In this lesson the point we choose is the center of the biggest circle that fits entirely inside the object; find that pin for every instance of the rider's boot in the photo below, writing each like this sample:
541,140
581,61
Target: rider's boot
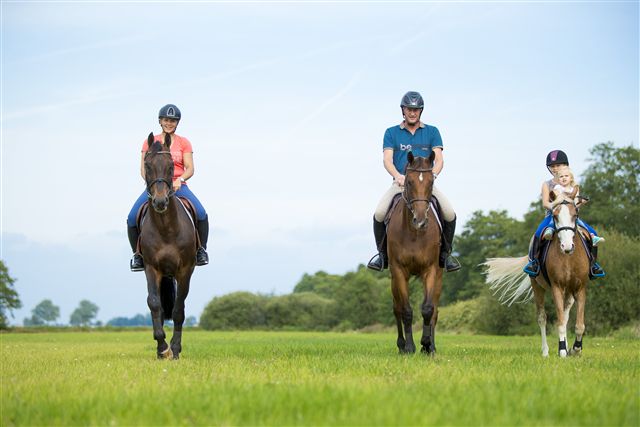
136,263
533,268
202,258
448,261
595,269
379,260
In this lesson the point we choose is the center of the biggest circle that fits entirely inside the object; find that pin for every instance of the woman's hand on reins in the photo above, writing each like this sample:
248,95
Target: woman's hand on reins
177,183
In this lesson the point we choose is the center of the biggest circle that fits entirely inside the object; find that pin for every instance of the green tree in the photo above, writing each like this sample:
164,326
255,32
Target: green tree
45,312
321,283
301,310
238,310
494,234
612,181
9,299
84,314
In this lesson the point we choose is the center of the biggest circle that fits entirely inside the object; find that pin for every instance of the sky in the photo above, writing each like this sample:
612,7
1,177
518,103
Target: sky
286,104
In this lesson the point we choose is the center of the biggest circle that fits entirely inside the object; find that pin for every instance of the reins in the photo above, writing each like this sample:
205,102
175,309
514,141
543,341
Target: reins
162,180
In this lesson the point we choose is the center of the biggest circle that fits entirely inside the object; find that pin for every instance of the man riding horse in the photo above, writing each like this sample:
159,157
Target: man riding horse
412,135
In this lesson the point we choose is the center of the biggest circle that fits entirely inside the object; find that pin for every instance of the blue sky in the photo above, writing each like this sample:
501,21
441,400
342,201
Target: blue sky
286,105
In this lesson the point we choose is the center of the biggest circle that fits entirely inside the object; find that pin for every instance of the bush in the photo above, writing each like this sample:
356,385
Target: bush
302,310
238,310
459,317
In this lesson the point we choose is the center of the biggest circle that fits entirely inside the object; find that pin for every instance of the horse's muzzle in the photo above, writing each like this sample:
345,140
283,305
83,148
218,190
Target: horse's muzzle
568,249
161,204
419,224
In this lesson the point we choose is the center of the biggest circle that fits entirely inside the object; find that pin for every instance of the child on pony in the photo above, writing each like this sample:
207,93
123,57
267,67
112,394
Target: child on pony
561,185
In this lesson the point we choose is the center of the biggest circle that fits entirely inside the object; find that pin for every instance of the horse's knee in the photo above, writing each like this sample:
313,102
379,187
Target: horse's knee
427,311
153,301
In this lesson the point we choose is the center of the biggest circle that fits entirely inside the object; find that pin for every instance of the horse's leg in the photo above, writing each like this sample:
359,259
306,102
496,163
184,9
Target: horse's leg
153,301
581,299
429,312
402,310
178,312
538,294
558,300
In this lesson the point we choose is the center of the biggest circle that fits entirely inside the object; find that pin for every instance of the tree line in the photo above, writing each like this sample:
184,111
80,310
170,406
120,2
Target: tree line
362,298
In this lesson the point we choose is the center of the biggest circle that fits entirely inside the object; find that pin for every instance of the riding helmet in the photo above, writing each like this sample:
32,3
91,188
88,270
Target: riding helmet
170,111
557,157
412,99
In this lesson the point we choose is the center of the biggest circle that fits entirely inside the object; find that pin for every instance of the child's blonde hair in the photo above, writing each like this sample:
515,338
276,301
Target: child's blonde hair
566,169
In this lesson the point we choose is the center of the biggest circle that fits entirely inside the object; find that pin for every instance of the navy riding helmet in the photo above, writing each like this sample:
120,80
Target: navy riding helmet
557,157
412,99
170,111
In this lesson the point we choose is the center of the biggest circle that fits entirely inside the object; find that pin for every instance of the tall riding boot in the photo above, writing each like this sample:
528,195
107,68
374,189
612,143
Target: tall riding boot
595,269
202,258
533,268
448,261
379,260
136,263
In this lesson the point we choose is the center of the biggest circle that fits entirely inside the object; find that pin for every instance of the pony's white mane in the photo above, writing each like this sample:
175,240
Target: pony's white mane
507,279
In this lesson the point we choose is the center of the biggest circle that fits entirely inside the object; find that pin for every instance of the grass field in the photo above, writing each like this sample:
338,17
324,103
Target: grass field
289,378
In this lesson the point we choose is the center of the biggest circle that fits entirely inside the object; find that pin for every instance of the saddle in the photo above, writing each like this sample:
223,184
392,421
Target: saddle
587,245
184,202
435,205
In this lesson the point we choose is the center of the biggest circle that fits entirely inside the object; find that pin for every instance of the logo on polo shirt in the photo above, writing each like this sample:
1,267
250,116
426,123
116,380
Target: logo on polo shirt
405,147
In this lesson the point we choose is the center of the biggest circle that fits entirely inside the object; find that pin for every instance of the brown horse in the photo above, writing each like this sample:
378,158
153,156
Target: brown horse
567,268
168,245
413,245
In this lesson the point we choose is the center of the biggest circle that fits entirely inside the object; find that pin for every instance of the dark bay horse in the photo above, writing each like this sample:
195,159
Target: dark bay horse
413,245
168,246
567,266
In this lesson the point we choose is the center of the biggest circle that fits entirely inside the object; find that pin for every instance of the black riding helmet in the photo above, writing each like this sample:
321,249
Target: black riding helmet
557,157
170,111
412,99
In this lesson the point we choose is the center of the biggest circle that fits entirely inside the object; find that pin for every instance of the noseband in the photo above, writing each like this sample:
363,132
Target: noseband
408,201
157,180
575,223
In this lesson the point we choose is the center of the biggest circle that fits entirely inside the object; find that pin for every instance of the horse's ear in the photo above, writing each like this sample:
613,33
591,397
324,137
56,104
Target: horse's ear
432,158
167,140
552,195
149,140
575,192
410,157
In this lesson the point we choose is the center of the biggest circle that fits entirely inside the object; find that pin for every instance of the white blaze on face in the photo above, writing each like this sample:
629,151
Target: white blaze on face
421,178
565,236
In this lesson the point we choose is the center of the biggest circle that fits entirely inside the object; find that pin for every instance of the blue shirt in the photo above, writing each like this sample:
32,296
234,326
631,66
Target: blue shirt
401,141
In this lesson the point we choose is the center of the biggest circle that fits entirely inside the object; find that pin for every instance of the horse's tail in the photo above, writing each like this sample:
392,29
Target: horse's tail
167,295
507,279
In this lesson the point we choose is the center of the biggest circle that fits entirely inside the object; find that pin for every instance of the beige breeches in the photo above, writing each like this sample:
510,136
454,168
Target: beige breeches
447,210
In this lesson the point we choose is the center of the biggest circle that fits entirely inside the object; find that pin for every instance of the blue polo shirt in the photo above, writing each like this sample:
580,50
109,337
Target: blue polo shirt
401,141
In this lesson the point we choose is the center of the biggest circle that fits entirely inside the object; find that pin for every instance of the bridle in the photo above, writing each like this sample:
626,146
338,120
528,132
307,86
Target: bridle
408,201
575,223
157,180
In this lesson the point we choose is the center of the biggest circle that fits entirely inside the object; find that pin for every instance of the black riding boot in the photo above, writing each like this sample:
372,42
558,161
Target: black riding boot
448,261
202,258
136,263
596,270
533,268
379,261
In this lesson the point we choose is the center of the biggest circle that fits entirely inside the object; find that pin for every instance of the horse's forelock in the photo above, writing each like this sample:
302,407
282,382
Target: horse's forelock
155,147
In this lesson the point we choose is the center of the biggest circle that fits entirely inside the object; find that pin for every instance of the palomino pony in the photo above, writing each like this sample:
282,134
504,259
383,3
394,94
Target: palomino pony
567,268
168,246
413,245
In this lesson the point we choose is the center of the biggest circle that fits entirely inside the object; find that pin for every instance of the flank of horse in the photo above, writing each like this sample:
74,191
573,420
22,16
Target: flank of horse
168,246
567,266
413,245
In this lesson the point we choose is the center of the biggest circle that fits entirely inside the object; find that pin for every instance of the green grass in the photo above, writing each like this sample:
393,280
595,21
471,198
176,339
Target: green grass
289,378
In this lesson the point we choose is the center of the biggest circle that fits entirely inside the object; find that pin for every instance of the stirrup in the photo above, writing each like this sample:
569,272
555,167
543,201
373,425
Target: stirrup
596,271
532,269
376,262
202,258
452,264
136,263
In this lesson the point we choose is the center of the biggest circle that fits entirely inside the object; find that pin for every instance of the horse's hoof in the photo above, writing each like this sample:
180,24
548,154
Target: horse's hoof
167,354
575,352
427,352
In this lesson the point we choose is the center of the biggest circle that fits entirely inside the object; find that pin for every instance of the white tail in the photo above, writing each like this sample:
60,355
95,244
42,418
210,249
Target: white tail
507,279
